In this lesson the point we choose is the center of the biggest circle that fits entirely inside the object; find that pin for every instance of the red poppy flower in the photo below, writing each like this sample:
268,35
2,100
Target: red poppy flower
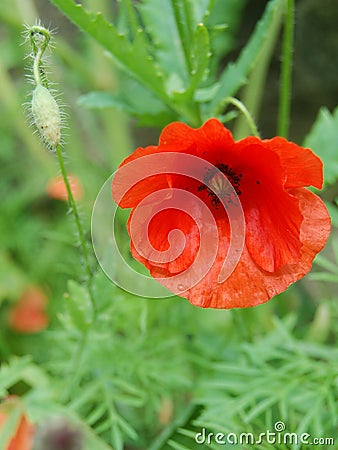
22,438
284,224
29,315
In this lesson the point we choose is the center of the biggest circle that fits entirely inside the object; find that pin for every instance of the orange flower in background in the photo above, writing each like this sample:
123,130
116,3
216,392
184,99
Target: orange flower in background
22,438
29,315
56,188
286,225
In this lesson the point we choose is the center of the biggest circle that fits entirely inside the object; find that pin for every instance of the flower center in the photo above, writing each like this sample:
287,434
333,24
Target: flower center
220,187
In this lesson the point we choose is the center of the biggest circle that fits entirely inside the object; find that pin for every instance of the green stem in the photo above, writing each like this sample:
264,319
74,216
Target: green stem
239,105
286,72
252,93
36,67
73,206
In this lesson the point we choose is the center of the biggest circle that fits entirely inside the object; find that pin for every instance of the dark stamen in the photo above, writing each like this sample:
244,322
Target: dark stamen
220,189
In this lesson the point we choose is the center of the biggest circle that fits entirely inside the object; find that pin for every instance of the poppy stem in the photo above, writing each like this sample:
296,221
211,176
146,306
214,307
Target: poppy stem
81,234
242,108
286,72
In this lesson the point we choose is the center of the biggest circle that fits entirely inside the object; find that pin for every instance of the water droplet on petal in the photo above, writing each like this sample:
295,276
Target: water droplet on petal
271,291
180,287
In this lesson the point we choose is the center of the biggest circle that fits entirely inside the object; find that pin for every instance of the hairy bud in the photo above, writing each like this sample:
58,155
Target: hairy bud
46,116
44,110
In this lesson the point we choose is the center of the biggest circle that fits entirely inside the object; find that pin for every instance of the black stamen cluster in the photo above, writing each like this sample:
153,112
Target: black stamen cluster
230,173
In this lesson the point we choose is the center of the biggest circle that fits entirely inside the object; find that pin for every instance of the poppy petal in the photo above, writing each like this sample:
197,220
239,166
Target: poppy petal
163,251
127,192
272,215
301,165
167,238
237,292
210,137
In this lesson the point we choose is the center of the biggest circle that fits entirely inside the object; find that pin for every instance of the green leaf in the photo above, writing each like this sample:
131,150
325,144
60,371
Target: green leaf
234,76
11,373
103,100
160,23
200,9
323,139
200,56
145,107
133,56
78,306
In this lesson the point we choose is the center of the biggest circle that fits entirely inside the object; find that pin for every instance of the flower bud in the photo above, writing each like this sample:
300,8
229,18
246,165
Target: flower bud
46,116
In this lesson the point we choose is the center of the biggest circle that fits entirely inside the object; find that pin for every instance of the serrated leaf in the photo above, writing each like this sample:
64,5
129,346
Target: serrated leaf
78,306
10,373
160,22
133,57
200,56
200,9
323,140
234,76
147,112
222,20
103,100
206,94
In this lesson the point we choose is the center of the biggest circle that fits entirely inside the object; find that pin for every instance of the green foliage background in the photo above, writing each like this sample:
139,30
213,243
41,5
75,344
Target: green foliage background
149,374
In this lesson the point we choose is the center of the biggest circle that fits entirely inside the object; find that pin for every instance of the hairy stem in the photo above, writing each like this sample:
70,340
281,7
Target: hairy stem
36,68
81,234
239,105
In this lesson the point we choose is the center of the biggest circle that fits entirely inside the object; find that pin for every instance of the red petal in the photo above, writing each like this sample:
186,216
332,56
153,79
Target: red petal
127,191
210,141
173,236
159,228
23,438
212,137
272,215
302,167
248,285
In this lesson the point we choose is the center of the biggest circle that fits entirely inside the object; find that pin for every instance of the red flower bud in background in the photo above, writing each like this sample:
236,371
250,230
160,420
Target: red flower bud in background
56,188
22,438
29,314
